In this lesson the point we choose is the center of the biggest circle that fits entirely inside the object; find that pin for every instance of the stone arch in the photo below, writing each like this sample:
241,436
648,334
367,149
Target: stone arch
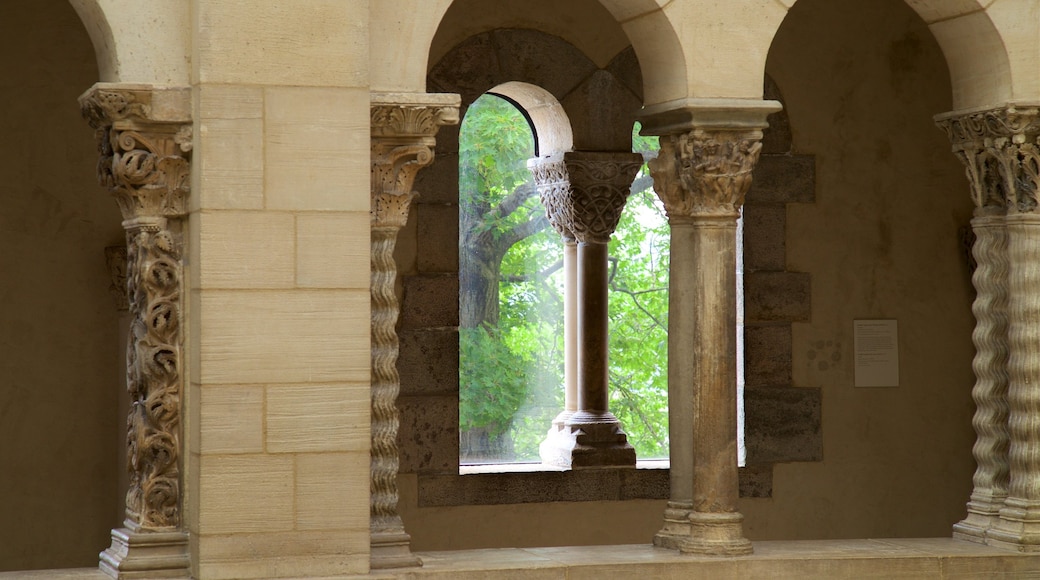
548,120
981,71
132,46
600,28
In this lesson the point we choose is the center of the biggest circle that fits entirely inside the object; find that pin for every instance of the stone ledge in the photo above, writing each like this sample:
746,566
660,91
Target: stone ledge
917,558
554,486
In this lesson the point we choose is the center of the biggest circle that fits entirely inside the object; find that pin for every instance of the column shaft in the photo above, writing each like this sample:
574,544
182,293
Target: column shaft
403,128
593,334
145,164
1019,525
991,384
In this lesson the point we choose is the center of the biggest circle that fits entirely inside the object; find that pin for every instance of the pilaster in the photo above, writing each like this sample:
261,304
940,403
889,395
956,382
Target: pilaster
702,173
584,194
403,131
144,141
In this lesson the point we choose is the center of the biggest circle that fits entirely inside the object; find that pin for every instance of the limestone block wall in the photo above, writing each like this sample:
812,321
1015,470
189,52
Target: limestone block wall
61,368
278,404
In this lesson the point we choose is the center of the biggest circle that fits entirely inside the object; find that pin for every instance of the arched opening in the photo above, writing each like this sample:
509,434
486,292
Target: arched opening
59,326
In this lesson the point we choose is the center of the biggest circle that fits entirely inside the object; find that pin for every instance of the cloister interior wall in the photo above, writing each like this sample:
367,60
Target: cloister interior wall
60,362
861,81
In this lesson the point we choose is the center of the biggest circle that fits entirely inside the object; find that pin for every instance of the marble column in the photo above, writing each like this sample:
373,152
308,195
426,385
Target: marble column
584,194
403,129
144,139
973,140
703,171
1015,147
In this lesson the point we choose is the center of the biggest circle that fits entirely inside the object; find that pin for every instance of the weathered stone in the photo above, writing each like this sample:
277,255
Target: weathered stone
767,355
430,301
602,91
782,424
428,436
756,480
777,296
429,362
625,66
784,179
438,234
546,60
765,237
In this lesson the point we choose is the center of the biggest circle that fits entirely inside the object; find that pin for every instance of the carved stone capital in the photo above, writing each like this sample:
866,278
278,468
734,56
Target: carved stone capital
705,172
1000,150
584,192
144,142
403,136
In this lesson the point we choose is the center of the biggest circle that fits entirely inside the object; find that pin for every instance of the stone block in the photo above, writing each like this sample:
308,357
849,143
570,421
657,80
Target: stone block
429,362
470,69
315,418
782,424
625,66
245,493
765,237
333,250
282,43
554,64
430,301
245,249
777,296
287,336
327,491
406,251
611,128
428,438
231,419
756,480
438,238
317,149
311,554
783,179
644,484
231,172
230,102
767,355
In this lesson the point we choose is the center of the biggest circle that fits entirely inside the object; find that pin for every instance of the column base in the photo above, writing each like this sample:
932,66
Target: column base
716,534
580,445
677,526
143,554
392,550
983,515
1018,528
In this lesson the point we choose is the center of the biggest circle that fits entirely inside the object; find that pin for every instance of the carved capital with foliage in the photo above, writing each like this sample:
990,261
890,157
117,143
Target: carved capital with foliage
1000,150
403,137
705,172
584,192
144,142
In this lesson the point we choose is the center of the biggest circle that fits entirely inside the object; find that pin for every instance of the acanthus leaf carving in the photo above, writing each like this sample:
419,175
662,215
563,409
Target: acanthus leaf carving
999,149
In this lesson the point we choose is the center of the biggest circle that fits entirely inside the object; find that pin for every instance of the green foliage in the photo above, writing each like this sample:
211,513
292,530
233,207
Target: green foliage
511,372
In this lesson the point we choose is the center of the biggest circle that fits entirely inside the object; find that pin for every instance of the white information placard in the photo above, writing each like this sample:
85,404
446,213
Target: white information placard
877,353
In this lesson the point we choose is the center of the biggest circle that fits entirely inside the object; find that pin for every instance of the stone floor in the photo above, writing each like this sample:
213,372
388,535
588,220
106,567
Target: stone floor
804,560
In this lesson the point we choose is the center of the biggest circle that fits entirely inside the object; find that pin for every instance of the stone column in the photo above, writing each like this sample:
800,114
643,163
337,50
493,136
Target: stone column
708,149
1015,149
550,177
973,143
584,193
403,130
144,139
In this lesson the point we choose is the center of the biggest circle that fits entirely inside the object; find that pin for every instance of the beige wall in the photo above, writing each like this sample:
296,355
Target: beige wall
862,81
60,364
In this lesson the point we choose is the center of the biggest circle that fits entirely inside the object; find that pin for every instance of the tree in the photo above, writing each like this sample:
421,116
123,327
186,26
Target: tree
510,324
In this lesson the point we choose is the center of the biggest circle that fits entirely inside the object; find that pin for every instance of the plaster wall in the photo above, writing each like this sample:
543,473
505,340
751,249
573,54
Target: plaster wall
861,81
61,367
